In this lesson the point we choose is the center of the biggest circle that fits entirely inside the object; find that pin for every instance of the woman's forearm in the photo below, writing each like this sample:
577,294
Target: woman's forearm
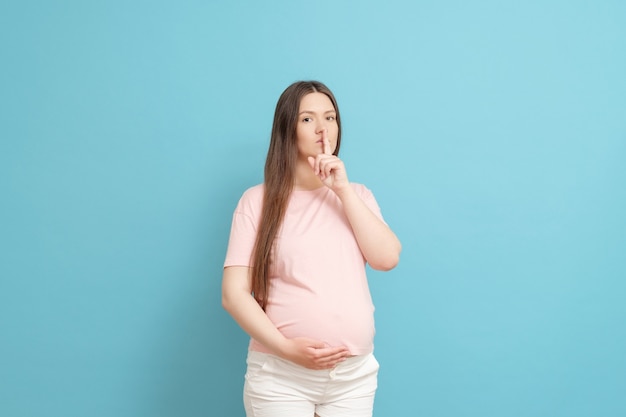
241,305
379,244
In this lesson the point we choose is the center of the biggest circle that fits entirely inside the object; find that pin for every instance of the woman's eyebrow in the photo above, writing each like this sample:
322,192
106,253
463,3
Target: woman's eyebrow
312,112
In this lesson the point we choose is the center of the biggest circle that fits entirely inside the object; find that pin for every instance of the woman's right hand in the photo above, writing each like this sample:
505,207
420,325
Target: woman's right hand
313,354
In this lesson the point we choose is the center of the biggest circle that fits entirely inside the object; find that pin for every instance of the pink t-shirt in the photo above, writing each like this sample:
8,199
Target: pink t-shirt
318,286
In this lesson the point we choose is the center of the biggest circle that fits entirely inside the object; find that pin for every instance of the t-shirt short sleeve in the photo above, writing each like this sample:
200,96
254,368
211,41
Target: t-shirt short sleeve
243,230
368,198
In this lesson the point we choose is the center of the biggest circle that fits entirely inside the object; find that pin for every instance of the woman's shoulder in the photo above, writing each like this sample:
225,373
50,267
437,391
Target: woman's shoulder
251,200
254,192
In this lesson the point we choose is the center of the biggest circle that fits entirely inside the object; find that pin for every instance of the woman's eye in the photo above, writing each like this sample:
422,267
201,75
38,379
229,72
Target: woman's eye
306,119
330,118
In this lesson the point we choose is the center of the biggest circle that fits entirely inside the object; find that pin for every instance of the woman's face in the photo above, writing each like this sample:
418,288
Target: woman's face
316,115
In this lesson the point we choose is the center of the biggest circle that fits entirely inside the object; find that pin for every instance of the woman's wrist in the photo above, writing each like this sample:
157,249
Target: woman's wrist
282,348
344,192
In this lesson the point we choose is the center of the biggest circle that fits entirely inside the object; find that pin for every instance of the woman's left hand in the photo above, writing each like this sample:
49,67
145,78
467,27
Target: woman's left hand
329,168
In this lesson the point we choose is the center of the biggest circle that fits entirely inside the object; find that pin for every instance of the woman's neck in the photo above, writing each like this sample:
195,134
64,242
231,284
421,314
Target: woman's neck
306,178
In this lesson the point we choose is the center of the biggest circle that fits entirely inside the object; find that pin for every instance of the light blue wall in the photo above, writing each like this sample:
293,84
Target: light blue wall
493,134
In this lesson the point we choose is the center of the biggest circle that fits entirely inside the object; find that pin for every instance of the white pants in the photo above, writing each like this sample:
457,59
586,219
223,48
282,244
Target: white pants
275,387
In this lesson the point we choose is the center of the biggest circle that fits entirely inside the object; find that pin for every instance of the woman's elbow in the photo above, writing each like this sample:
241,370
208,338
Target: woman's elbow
234,287
386,263
227,299
225,302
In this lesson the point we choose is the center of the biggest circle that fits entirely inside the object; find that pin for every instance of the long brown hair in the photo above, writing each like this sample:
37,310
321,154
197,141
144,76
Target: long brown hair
280,168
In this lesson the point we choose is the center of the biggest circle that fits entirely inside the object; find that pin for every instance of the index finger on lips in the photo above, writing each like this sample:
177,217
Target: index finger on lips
326,142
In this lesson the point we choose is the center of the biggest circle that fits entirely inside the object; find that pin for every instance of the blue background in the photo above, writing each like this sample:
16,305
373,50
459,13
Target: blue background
493,134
